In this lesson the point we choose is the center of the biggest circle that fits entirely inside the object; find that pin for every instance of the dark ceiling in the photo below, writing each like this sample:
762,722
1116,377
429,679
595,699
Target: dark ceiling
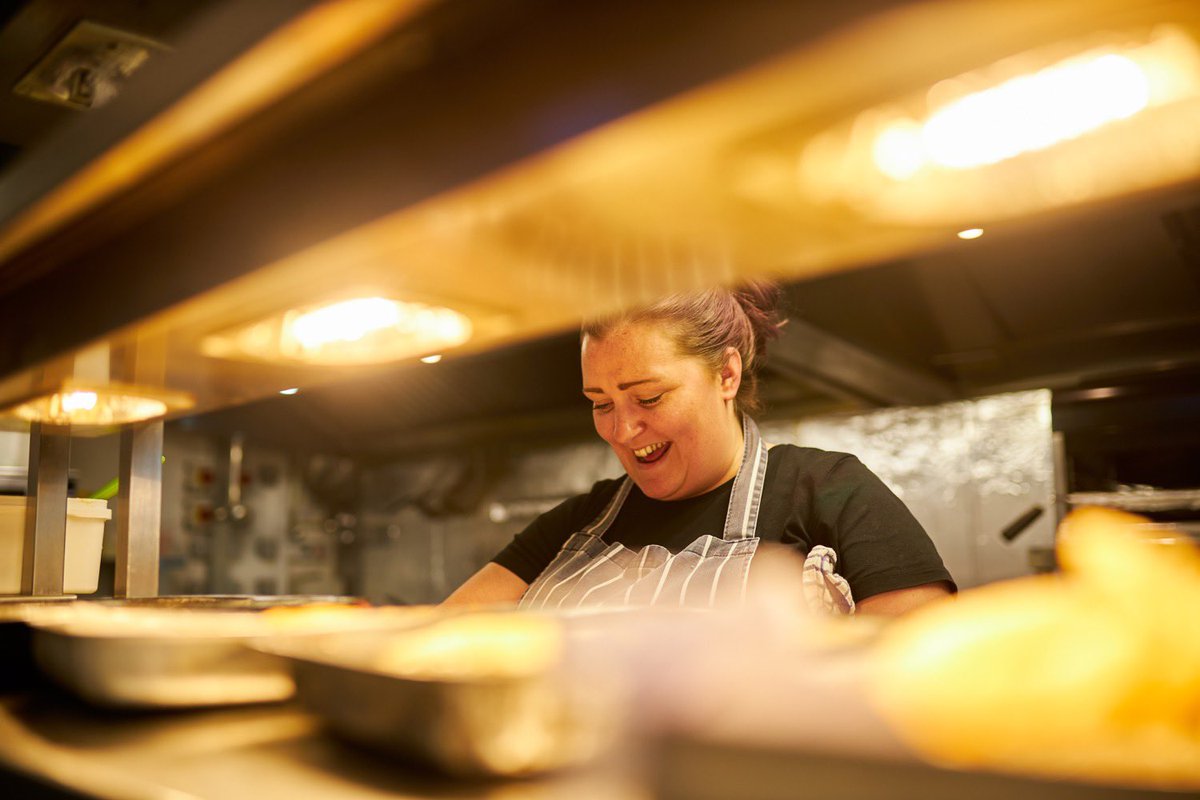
29,29
1107,295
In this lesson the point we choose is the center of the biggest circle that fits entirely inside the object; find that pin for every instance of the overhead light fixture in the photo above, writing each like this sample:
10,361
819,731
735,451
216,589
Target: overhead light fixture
433,359
340,323
290,391
1060,125
106,405
359,330
970,233
1024,114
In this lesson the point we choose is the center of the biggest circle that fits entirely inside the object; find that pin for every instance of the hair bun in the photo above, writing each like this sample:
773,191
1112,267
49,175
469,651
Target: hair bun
760,301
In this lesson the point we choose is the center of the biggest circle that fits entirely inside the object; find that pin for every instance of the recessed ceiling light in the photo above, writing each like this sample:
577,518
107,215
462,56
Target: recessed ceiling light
290,391
433,359
360,330
99,405
970,233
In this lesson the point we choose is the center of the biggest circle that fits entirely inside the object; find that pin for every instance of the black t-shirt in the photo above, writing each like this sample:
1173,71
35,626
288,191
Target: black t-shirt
810,497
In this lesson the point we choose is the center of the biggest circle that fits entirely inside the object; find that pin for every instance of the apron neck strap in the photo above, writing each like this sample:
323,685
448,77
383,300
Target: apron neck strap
600,524
741,520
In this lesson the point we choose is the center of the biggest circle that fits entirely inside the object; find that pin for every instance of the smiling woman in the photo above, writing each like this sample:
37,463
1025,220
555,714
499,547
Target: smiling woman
668,419
672,387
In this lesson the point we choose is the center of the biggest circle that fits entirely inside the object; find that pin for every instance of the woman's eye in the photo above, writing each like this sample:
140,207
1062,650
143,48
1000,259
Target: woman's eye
649,401
601,407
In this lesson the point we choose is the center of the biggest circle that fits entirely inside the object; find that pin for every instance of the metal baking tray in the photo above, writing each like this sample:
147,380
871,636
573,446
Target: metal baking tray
229,602
119,666
499,726
177,656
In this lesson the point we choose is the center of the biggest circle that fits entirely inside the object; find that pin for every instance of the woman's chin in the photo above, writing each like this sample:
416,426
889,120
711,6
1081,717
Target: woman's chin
657,489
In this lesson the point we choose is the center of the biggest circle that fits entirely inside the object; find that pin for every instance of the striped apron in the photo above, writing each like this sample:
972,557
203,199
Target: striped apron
711,571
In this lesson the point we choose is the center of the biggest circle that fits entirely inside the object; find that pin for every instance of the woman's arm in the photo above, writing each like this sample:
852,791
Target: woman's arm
900,601
492,584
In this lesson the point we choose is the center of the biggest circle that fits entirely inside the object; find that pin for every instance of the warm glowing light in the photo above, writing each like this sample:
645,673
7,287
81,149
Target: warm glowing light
970,233
1060,125
90,408
1035,111
290,391
371,329
364,330
898,151
433,359
1021,115
348,321
78,401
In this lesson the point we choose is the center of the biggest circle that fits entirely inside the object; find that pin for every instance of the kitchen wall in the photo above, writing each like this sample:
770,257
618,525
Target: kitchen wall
279,537
288,536
967,470
429,523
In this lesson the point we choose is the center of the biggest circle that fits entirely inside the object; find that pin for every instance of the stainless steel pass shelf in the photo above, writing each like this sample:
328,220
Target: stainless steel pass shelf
1140,499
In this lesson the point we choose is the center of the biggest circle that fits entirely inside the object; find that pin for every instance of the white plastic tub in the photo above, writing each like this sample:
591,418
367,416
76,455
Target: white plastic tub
85,536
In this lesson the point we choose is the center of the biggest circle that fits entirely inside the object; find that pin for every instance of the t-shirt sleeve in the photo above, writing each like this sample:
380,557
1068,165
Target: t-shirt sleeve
532,550
879,543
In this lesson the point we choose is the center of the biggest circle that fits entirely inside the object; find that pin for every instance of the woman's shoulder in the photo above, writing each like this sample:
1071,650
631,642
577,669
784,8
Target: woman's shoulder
794,459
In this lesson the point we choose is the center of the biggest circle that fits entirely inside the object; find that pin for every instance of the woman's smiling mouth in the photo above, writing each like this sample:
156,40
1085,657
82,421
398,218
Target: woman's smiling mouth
651,452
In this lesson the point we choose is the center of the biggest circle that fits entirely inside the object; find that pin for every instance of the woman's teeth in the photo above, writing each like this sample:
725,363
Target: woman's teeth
644,453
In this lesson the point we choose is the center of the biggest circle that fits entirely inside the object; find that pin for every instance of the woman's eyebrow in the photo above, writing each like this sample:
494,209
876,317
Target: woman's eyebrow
621,386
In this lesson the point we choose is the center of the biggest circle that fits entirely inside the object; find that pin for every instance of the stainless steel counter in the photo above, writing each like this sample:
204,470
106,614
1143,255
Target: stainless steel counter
54,747
266,752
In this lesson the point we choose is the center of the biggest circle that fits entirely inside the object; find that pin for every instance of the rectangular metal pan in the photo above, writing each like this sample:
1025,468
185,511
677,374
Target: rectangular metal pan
467,726
178,657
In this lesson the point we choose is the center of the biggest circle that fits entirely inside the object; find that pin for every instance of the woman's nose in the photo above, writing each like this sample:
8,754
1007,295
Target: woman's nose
626,426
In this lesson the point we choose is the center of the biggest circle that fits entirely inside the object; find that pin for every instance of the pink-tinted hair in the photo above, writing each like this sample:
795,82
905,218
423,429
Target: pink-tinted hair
704,323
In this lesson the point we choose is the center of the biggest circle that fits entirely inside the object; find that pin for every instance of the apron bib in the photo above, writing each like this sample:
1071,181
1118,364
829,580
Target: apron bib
710,571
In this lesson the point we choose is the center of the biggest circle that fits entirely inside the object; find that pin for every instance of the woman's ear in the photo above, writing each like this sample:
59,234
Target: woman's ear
731,373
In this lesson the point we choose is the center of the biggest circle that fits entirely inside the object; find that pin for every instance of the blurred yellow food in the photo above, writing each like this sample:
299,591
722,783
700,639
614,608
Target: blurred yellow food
326,617
475,647
1092,674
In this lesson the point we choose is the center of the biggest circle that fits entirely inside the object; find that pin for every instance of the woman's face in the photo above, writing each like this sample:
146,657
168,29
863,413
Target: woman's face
669,418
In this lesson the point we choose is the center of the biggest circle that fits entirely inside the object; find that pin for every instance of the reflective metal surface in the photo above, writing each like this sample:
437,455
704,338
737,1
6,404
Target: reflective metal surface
187,651
265,752
46,511
516,725
154,671
229,602
139,510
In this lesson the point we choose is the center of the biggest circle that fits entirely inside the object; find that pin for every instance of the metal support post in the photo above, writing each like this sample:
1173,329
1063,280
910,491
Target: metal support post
139,510
46,511
1062,478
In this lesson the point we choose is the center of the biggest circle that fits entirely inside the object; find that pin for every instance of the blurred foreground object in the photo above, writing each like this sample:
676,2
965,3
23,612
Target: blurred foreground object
1093,674
481,694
